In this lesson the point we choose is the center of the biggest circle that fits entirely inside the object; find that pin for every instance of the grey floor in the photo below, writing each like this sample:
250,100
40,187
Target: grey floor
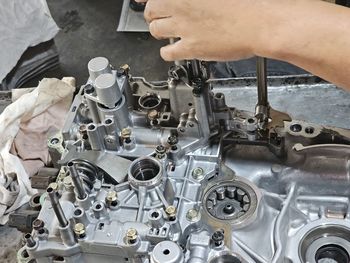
89,30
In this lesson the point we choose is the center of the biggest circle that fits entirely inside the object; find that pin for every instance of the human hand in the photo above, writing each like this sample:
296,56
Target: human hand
208,30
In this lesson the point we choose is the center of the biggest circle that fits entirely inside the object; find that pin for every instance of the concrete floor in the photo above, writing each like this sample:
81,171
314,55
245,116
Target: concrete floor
89,30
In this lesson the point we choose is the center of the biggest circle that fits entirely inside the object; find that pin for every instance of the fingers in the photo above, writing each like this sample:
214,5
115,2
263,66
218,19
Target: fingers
177,51
163,28
156,9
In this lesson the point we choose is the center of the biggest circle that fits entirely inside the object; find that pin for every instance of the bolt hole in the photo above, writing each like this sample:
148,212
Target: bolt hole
296,128
190,104
36,199
101,226
89,89
251,121
91,127
25,254
78,212
166,252
219,95
54,141
58,258
154,122
310,130
155,215
41,231
108,121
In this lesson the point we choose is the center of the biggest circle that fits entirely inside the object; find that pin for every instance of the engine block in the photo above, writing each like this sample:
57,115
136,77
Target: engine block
167,172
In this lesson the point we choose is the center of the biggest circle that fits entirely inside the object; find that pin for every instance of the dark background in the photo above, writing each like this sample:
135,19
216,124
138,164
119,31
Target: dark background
88,30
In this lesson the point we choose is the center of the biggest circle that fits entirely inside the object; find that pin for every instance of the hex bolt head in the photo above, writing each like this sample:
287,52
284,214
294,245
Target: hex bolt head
54,186
126,132
38,224
153,114
131,235
79,230
193,215
160,151
173,140
112,198
123,70
218,237
68,183
171,212
198,173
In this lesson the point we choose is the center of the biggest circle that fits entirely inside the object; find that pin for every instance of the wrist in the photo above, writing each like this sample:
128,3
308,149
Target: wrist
274,28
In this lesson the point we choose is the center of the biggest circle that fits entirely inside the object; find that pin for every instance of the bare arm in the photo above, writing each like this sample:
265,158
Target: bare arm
311,34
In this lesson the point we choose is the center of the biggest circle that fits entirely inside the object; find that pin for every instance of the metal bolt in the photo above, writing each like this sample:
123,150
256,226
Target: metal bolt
29,240
131,235
173,140
54,186
160,151
38,224
192,215
79,230
153,114
198,173
126,132
171,212
68,183
83,129
218,237
112,198
276,169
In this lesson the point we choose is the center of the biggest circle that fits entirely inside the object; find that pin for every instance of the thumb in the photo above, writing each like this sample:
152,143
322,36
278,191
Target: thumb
177,51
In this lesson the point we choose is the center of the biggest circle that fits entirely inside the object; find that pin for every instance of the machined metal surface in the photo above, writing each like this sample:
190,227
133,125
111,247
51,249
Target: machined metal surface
182,174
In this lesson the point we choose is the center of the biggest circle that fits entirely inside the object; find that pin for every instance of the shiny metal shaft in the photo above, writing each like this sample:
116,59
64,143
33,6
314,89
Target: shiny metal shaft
57,208
76,181
262,82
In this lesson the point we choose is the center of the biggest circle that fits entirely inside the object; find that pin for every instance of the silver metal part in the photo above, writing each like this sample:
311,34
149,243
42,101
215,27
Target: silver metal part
98,66
181,174
107,90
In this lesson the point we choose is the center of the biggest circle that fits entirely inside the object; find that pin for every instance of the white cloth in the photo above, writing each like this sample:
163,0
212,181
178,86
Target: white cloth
23,24
15,188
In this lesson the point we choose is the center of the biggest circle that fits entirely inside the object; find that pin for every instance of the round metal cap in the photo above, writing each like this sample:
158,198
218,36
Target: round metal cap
98,66
107,90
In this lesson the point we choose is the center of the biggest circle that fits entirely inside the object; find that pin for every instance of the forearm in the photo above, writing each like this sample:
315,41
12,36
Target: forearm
310,34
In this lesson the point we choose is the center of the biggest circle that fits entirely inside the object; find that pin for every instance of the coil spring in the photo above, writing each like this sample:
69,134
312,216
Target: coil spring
88,173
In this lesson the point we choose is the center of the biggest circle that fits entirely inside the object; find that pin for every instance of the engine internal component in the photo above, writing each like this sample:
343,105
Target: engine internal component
170,171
